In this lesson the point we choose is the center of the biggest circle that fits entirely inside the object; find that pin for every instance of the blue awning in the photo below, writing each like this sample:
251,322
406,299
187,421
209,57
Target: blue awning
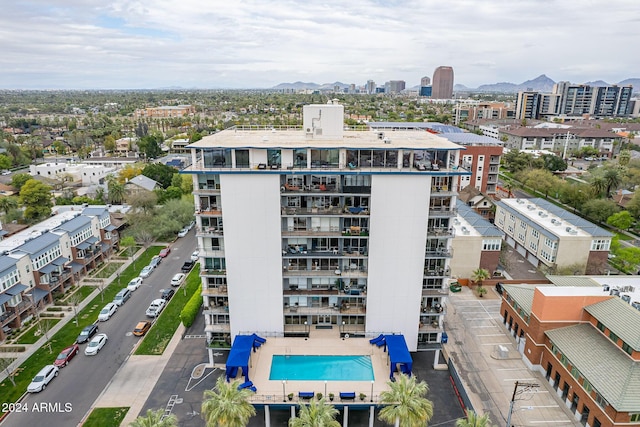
83,245
91,240
16,289
76,267
240,353
48,268
110,227
38,294
398,354
4,298
60,261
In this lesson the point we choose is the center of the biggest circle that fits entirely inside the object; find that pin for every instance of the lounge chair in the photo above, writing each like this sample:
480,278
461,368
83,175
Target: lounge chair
306,394
247,384
376,339
381,342
351,395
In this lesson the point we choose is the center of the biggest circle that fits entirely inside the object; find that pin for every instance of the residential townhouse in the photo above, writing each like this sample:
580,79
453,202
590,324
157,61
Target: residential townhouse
547,235
47,259
563,141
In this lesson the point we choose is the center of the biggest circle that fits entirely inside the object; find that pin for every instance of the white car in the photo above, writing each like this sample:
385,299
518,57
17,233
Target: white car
107,312
195,256
191,225
156,307
183,232
134,284
44,377
178,279
96,344
146,271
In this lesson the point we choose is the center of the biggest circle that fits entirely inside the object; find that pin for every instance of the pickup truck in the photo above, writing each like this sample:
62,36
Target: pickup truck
187,266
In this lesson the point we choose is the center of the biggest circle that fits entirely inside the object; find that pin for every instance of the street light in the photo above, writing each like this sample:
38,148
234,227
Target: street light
325,388
372,383
284,391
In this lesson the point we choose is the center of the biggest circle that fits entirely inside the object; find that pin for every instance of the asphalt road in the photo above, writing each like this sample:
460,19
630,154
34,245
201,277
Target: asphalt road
69,396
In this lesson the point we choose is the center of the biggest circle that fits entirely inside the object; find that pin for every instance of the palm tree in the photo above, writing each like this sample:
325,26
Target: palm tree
226,406
155,419
598,185
612,178
115,190
405,403
8,203
473,420
316,414
479,275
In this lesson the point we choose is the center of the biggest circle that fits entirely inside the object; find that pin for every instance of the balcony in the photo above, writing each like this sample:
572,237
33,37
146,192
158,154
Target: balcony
437,273
312,231
217,327
213,272
439,253
301,189
7,317
324,272
209,232
341,308
207,190
212,253
438,291
441,232
215,291
443,212
20,308
209,211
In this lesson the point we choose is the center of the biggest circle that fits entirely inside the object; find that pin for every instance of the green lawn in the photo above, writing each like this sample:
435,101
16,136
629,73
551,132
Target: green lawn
105,417
108,270
67,335
160,334
29,337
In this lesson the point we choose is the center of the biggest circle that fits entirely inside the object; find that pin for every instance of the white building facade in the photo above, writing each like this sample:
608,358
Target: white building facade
324,228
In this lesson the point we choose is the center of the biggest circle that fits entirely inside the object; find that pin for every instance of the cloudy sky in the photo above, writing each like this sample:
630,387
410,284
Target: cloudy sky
134,44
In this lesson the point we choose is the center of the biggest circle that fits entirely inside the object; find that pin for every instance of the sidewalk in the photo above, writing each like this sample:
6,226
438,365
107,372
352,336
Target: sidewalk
134,381
32,348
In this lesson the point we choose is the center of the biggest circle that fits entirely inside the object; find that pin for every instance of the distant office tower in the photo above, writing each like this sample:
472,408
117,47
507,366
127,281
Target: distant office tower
425,90
425,81
396,86
371,87
442,83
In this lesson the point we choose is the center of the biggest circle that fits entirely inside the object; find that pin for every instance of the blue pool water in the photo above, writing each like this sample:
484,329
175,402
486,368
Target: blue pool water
321,368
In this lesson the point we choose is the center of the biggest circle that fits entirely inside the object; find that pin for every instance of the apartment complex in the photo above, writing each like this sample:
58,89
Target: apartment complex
575,100
564,140
585,340
472,109
47,259
165,112
325,228
547,235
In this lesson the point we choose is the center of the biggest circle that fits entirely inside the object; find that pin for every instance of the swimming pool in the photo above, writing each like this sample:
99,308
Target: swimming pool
321,368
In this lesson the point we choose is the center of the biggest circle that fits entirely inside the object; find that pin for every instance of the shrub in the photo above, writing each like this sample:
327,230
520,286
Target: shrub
14,348
190,310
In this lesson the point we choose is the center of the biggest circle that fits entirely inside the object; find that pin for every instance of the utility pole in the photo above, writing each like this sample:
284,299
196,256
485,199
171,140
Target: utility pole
517,392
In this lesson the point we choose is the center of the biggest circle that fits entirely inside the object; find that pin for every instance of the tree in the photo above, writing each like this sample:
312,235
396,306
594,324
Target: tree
554,163
115,190
8,203
599,209
129,172
10,354
144,200
36,197
19,179
624,157
405,403
634,205
316,414
150,145
163,174
612,179
5,162
479,275
473,420
622,220
226,406
155,419
598,185
540,180
74,300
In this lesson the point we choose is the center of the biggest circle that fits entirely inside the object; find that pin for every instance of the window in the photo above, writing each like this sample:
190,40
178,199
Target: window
535,234
491,244
600,244
242,158
601,401
634,417
627,348
274,157
600,326
586,385
613,337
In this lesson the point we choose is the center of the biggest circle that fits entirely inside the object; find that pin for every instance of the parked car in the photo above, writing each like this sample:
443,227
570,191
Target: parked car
141,328
164,252
108,311
155,261
187,266
191,225
177,279
499,288
195,256
155,308
87,333
183,232
122,296
66,355
167,294
44,377
96,344
146,272
134,284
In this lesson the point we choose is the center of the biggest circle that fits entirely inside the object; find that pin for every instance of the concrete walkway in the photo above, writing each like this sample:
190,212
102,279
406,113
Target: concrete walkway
135,379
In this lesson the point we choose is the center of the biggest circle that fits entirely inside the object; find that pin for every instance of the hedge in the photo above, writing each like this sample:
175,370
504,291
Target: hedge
190,310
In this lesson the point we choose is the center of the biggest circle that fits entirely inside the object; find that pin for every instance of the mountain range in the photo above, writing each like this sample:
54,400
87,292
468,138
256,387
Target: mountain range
541,83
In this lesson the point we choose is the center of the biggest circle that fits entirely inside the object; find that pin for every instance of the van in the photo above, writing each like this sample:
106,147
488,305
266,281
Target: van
122,297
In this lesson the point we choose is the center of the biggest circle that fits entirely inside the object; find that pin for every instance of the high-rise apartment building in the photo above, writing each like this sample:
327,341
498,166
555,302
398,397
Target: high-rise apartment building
395,86
371,87
325,227
442,83
425,81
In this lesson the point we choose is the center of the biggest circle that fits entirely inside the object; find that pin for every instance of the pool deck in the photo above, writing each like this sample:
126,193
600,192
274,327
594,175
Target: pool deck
320,342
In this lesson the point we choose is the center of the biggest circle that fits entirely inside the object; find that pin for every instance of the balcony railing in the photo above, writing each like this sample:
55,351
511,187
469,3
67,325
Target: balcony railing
346,308
7,317
443,212
442,232
209,210
215,291
439,253
212,272
312,231
217,327
437,273
209,231
440,291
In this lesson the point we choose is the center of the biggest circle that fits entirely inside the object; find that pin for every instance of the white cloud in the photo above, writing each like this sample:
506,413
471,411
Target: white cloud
257,43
